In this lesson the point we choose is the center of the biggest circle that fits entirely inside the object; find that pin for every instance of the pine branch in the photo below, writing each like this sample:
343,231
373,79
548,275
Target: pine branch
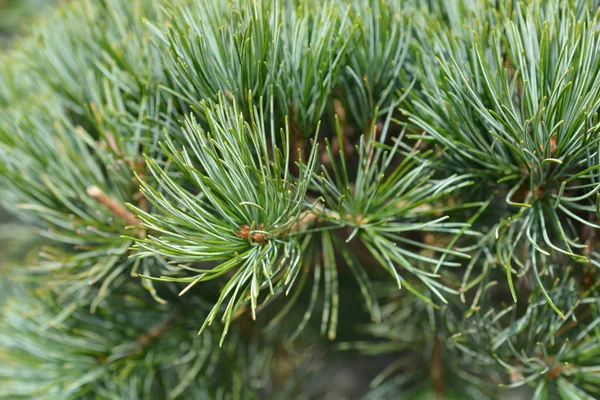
508,116
119,210
174,141
99,356
242,221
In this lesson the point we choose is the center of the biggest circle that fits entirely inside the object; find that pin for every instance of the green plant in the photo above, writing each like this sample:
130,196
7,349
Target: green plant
231,195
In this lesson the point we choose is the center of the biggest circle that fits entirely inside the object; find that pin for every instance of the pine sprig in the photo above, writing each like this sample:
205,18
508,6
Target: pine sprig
555,356
72,158
518,105
225,48
314,38
143,350
392,198
74,199
444,371
239,207
375,71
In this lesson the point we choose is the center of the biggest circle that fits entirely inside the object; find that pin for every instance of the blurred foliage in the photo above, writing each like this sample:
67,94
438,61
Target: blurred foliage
16,14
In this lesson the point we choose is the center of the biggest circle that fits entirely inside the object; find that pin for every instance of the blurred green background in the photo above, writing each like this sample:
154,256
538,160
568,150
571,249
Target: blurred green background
17,16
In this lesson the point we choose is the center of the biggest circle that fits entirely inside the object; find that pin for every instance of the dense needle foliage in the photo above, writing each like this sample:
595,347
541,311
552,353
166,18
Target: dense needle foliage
247,198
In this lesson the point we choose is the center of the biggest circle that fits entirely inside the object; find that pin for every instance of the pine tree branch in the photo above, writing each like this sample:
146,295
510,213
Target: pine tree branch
115,207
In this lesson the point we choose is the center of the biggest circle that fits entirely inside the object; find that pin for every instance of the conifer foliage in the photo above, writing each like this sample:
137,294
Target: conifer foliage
240,199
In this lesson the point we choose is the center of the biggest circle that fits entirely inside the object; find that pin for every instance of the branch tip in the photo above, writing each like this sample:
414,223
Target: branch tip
115,207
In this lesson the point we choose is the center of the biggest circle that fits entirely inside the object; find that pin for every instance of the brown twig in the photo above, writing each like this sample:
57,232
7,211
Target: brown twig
296,142
115,207
153,333
306,219
313,215
437,368
419,142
